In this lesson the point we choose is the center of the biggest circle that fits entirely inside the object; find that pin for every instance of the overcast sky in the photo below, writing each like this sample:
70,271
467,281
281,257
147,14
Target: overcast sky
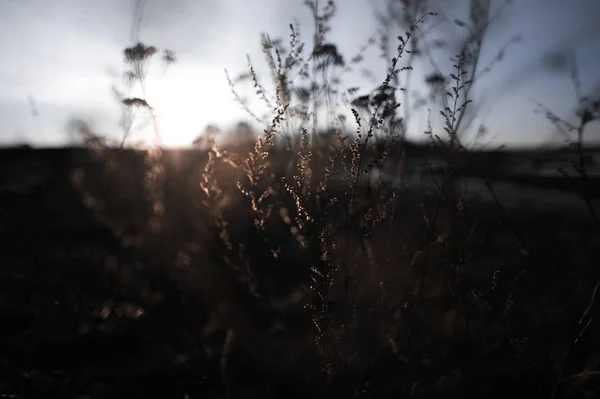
61,58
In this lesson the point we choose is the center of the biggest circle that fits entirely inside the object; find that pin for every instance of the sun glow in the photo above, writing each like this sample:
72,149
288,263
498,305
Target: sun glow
187,99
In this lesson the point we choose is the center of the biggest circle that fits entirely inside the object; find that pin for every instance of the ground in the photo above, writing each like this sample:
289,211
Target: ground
97,302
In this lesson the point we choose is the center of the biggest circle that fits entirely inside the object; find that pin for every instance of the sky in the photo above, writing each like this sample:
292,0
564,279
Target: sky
61,58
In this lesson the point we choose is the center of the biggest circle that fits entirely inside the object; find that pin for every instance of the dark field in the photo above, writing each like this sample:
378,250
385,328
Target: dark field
104,295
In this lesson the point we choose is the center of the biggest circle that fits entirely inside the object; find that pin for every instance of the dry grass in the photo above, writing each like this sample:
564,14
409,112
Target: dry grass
279,267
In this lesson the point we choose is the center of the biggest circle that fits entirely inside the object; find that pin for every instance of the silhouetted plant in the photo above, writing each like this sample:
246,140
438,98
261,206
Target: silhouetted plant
392,276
